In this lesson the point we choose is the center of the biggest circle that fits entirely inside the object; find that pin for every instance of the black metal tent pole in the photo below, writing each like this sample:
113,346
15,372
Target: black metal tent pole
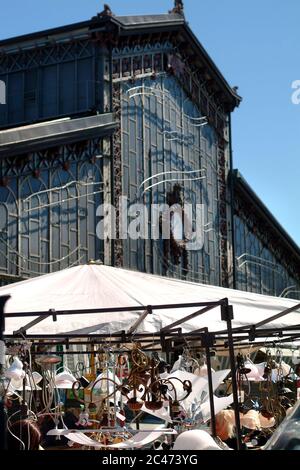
208,342
227,315
3,301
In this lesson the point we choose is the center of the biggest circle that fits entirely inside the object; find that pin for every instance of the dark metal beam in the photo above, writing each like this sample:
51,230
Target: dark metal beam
193,315
279,315
136,324
29,325
116,309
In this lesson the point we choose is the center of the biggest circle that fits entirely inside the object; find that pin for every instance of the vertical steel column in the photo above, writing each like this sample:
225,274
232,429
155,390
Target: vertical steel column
227,315
208,341
3,301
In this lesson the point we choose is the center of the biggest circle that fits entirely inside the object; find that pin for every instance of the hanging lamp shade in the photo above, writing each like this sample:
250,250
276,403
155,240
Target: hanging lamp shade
15,371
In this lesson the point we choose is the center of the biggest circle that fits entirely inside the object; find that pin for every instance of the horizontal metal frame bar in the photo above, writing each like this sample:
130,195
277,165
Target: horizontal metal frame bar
121,336
116,309
90,353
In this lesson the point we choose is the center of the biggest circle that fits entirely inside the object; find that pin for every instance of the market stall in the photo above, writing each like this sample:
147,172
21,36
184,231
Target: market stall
144,354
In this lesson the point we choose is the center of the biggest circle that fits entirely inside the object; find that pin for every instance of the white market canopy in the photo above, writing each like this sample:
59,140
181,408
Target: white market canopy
99,287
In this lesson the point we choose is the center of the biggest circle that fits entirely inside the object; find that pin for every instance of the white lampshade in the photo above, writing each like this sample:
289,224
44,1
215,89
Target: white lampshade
64,380
254,374
30,383
15,371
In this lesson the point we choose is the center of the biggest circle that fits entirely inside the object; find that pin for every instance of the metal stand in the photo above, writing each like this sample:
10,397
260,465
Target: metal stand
208,342
227,315
3,301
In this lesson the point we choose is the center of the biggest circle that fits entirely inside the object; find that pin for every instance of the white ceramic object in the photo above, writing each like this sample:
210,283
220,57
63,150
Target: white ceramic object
195,440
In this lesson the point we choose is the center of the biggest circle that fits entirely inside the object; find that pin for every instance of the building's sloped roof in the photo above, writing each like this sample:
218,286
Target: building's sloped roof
85,26
128,25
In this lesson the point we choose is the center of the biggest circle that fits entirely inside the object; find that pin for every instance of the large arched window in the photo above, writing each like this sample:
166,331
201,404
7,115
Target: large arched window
8,231
91,196
63,218
33,251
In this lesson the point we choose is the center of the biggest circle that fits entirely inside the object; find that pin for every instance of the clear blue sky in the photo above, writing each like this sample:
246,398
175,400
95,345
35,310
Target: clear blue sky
256,45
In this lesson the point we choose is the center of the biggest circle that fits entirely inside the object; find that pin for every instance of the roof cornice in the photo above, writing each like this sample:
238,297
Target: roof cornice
122,26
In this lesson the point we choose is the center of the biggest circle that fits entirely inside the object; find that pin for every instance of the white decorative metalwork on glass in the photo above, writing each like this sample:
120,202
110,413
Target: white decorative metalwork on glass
172,179
198,121
77,184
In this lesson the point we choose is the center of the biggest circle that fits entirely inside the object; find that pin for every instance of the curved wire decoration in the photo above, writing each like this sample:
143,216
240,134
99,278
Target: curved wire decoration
258,261
60,188
266,264
172,180
289,290
156,92
26,259
14,263
207,229
173,172
175,136
170,173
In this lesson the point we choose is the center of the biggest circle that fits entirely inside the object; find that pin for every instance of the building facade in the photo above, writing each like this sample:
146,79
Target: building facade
123,107
267,260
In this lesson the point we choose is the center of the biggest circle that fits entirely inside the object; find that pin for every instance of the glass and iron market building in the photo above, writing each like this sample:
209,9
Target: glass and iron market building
128,106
